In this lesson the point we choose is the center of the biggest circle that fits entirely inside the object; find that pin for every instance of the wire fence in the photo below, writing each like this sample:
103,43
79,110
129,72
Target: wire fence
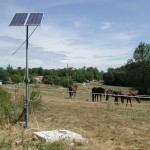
88,93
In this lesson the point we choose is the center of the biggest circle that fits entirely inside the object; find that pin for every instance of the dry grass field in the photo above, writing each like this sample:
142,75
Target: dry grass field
105,125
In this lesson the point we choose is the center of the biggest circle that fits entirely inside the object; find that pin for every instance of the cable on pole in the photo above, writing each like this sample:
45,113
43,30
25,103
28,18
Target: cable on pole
23,42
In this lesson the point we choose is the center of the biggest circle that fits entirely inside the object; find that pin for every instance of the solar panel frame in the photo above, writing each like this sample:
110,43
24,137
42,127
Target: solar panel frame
34,19
19,19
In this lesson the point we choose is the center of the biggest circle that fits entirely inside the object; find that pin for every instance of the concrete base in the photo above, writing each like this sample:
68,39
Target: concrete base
58,135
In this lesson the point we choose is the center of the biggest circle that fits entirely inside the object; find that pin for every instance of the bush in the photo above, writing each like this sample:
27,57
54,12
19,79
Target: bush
12,110
6,105
35,99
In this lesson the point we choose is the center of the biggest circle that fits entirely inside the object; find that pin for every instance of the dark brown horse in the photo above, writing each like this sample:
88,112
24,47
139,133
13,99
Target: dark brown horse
96,92
128,95
115,94
72,91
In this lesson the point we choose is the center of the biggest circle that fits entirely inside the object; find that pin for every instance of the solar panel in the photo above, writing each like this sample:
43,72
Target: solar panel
19,19
34,19
22,19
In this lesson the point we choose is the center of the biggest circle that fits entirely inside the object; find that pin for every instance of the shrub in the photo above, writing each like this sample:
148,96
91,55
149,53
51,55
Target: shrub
6,105
35,99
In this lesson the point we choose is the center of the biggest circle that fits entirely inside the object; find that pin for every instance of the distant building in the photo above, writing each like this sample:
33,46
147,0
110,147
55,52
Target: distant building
39,78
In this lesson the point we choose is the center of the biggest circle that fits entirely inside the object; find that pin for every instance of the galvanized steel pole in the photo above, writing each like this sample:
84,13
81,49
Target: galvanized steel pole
27,82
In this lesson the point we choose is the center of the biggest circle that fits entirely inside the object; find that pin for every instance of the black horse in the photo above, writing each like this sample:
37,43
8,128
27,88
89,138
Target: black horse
72,91
96,92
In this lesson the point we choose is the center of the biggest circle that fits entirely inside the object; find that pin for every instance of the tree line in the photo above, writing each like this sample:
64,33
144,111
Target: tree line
64,77
135,73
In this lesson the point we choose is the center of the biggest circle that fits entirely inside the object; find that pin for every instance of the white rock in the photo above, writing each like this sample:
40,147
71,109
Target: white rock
58,135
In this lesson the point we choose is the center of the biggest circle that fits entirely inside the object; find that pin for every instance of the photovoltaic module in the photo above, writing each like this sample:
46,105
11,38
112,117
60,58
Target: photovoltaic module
26,19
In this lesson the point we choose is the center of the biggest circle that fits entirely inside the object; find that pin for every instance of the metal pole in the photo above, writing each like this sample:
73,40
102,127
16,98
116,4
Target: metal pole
27,82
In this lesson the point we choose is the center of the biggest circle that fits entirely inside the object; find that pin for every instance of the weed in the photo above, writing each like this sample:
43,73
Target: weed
35,99
6,105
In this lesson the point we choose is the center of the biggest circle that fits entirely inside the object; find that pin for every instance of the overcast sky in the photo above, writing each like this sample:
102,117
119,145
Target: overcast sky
90,33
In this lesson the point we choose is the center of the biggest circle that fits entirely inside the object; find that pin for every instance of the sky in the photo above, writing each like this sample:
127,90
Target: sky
74,33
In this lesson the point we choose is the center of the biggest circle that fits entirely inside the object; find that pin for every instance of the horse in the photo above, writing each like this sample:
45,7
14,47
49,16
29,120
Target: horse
128,96
72,91
115,94
97,91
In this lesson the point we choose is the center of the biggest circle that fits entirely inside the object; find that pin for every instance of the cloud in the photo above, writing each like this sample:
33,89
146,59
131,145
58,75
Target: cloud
48,4
82,23
8,45
105,25
54,47
124,36
37,54
76,42
79,24
98,56
72,32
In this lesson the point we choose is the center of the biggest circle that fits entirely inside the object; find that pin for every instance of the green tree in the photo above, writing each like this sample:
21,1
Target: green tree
116,76
40,71
17,78
109,76
48,79
141,66
4,75
10,69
